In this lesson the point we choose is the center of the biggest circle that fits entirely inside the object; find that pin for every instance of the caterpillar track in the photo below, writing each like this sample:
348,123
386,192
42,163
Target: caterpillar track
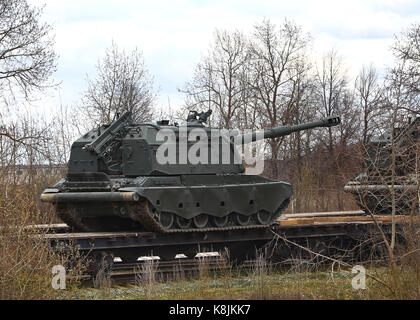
148,220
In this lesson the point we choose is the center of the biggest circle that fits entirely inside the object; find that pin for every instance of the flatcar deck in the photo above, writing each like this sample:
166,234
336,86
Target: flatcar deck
327,226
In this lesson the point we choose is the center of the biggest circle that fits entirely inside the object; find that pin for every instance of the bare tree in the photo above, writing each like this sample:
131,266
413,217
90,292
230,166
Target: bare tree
332,84
391,182
406,49
402,102
275,55
27,60
219,79
335,97
299,144
122,84
27,57
369,97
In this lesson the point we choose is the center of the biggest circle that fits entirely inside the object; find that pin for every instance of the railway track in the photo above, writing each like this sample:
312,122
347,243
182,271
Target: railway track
330,233
140,272
162,271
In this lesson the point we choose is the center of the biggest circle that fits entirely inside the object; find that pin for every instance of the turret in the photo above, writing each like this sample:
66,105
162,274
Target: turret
124,148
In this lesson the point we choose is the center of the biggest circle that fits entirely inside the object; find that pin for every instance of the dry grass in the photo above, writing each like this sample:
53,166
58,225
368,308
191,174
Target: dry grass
147,277
26,263
25,260
251,285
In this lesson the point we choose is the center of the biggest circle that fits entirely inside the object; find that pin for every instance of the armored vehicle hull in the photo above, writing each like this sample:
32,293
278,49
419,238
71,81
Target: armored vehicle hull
375,197
167,204
386,187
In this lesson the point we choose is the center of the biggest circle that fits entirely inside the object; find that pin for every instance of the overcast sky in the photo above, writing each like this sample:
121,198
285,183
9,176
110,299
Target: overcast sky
174,34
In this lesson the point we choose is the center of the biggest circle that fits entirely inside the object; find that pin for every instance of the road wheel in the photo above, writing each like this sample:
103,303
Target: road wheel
220,222
263,217
201,221
166,219
242,220
183,223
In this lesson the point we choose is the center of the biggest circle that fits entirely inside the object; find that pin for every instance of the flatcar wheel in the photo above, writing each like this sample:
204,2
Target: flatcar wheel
166,219
263,217
201,221
220,222
183,223
242,220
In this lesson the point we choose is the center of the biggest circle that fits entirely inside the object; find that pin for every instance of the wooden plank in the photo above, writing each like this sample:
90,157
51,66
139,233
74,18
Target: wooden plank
92,235
322,214
342,219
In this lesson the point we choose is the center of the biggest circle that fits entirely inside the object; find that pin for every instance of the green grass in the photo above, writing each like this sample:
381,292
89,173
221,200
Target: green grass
263,285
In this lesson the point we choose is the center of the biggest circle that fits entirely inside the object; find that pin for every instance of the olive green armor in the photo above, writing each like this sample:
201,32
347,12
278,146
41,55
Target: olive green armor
116,180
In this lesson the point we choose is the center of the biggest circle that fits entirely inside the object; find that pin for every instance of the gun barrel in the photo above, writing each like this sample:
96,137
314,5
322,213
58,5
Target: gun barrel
286,130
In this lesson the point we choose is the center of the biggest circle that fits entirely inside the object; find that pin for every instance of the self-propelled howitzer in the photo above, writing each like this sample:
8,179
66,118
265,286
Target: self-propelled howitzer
390,185
167,178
